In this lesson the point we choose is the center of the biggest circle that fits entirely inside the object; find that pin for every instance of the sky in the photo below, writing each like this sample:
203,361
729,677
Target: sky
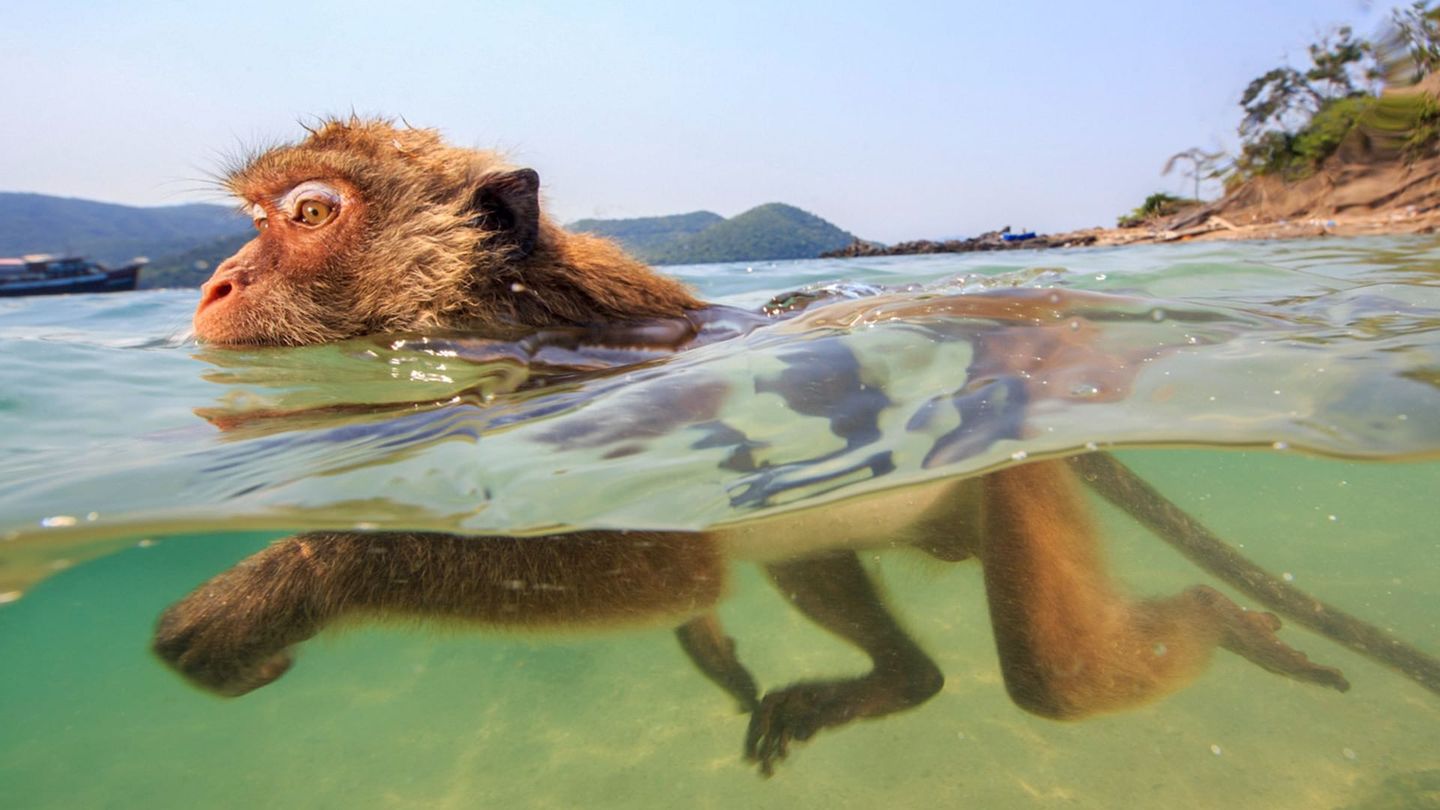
894,121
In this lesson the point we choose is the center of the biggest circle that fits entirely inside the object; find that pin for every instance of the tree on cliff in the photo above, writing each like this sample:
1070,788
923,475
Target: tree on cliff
1203,165
1412,51
1295,118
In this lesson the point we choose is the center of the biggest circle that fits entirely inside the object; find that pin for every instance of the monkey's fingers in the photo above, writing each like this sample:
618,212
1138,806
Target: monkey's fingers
1251,635
796,713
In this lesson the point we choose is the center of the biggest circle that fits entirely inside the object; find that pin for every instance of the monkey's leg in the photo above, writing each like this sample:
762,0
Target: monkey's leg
1070,644
1122,487
713,652
233,633
834,591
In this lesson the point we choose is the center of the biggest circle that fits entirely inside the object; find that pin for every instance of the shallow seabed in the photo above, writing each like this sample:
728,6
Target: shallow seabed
104,465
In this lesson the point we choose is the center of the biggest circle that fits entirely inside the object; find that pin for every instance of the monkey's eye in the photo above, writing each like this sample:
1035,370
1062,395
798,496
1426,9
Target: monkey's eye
314,212
311,203
261,223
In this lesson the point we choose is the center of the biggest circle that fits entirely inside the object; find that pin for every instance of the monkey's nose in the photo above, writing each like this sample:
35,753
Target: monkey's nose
213,291
225,281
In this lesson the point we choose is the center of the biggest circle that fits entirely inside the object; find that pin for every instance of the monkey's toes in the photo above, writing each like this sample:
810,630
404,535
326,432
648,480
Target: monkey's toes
1251,635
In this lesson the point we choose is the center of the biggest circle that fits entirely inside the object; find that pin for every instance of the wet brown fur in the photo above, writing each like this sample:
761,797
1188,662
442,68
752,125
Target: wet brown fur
233,634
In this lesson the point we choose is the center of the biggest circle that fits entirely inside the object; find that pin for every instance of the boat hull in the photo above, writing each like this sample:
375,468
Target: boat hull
119,280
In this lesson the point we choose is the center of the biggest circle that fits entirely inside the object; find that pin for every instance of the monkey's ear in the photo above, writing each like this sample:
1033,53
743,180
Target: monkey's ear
509,204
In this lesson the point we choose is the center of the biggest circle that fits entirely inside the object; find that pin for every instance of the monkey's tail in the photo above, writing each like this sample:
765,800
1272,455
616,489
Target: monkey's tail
1116,483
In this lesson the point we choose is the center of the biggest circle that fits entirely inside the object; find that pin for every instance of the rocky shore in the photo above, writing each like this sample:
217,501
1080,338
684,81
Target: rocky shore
1354,194
1002,239
1209,227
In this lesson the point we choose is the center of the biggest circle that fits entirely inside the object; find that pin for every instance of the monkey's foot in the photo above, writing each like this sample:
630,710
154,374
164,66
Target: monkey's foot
1251,635
209,657
798,711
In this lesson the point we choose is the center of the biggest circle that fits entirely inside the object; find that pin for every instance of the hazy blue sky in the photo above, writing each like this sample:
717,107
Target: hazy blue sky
894,121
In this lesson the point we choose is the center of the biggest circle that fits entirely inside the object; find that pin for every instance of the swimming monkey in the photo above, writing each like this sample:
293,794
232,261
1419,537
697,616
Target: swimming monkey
365,227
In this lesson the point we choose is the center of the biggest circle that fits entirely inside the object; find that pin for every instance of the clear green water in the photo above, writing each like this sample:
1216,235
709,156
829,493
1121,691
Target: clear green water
116,499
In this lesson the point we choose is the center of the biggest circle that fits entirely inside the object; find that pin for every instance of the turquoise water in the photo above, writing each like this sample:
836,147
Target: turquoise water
1285,393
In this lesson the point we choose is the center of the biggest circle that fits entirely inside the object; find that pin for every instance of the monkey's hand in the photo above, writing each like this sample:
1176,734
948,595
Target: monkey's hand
799,710
232,634
796,713
1251,635
209,648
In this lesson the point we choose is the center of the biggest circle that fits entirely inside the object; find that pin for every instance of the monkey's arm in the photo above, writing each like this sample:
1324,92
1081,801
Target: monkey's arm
233,633
1118,484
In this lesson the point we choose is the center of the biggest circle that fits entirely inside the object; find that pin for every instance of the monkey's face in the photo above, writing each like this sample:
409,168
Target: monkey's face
289,285
365,228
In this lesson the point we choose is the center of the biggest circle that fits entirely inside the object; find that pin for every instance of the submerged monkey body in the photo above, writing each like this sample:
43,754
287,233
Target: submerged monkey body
368,228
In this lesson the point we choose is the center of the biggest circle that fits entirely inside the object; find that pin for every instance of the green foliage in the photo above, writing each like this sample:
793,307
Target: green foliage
1295,119
1409,122
1328,127
767,232
1157,205
1423,132
1271,152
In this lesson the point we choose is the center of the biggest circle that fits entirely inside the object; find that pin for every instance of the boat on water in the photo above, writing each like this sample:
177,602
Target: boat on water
54,275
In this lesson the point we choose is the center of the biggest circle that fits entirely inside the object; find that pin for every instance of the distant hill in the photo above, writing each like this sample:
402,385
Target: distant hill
767,232
38,223
645,236
185,242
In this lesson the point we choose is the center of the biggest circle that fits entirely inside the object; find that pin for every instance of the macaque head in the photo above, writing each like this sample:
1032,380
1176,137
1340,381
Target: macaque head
366,227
